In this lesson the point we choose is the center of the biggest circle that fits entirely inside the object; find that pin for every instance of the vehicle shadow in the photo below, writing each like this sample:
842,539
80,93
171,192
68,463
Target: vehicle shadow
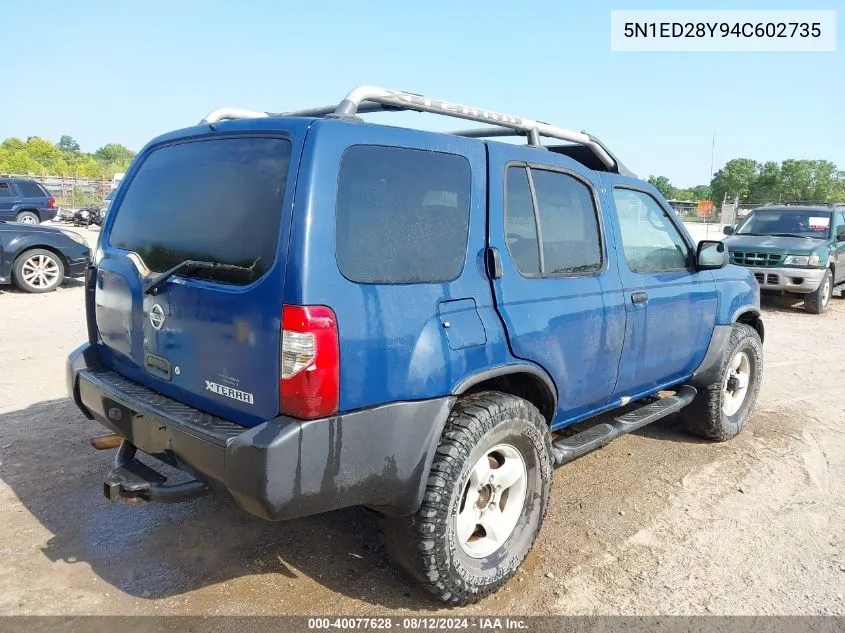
69,282
158,551
789,304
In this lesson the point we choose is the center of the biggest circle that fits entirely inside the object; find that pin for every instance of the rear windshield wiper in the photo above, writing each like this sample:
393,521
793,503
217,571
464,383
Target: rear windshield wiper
152,286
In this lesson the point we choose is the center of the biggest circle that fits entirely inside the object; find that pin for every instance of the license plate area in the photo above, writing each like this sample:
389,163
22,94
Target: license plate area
145,432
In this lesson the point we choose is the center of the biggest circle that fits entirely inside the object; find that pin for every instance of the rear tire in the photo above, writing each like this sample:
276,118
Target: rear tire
817,302
486,496
27,217
38,270
720,410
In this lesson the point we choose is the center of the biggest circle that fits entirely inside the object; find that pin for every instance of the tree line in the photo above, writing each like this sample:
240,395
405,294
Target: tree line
804,181
37,156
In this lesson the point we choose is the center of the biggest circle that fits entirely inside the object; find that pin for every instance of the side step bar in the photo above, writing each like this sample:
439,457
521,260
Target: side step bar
132,480
567,449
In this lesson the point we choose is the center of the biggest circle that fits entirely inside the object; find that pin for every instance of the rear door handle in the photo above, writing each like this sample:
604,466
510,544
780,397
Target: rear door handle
493,262
639,297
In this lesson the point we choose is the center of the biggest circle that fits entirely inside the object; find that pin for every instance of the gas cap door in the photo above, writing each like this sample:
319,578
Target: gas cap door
460,321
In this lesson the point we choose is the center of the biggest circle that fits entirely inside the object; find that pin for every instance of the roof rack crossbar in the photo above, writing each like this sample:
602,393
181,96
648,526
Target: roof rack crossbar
373,99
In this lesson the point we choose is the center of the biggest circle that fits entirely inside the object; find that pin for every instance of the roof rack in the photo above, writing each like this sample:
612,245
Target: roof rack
372,99
495,132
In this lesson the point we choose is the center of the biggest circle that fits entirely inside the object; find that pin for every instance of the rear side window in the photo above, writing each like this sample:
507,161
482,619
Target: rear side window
568,241
520,223
402,215
5,190
217,200
31,190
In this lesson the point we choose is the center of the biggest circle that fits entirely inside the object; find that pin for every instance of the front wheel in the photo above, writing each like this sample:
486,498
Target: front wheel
485,499
38,270
721,409
817,302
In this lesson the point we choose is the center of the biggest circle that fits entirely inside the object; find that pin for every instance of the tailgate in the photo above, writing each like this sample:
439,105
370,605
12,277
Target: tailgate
205,337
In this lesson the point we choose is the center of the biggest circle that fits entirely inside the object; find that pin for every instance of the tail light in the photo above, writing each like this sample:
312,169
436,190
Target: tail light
51,203
309,385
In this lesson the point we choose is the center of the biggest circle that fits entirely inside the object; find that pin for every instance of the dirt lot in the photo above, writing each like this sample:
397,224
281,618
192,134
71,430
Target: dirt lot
655,523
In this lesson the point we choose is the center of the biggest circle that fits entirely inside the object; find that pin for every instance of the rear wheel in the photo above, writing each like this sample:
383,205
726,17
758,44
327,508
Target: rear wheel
28,217
721,409
485,499
817,302
38,270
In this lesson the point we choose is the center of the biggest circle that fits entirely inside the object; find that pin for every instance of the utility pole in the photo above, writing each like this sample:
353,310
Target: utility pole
712,154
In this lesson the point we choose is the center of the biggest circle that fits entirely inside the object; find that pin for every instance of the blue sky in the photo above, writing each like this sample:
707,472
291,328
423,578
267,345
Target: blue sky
125,72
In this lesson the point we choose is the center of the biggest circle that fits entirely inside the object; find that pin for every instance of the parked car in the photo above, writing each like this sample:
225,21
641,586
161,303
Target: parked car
798,250
312,312
39,258
25,201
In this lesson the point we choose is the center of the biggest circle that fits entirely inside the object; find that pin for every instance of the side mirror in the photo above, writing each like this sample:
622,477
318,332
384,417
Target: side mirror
729,230
711,255
840,234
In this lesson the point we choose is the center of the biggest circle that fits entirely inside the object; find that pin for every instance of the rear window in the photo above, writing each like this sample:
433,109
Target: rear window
217,200
31,189
402,215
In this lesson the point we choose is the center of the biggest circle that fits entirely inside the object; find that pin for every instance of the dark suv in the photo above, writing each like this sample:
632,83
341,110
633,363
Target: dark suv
311,312
25,201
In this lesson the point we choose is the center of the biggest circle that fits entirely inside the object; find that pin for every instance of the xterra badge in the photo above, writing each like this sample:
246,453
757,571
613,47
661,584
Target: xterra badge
234,394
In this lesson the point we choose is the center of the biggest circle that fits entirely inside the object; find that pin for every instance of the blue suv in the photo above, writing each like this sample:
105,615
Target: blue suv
25,201
311,312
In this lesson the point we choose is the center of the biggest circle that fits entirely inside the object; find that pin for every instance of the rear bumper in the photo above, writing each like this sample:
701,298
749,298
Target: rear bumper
800,280
45,215
281,469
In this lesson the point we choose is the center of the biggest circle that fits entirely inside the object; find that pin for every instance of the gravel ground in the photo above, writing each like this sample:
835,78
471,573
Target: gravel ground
655,523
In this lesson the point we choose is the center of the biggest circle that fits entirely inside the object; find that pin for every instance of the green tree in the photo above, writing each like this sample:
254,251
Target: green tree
115,153
700,192
22,163
13,144
68,144
662,184
734,179
37,155
766,186
44,153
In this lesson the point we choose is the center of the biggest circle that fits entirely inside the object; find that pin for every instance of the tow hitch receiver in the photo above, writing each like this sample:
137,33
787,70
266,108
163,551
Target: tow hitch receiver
133,481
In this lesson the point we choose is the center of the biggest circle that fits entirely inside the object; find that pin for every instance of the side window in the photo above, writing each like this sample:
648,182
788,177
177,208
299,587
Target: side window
650,240
30,189
5,190
520,224
840,223
569,228
567,241
402,215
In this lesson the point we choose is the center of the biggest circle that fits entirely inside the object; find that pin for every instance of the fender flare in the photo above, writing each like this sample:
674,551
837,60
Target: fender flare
466,383
753,310
743,309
